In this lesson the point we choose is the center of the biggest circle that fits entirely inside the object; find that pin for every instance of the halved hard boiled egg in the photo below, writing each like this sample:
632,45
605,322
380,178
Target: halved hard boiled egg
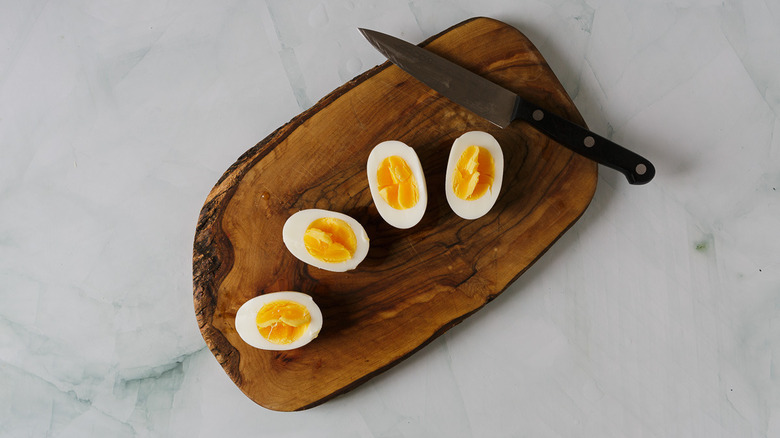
279,320
326,239
397,183
475,169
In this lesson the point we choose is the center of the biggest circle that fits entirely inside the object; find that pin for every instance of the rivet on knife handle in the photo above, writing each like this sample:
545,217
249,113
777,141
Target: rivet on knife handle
637,169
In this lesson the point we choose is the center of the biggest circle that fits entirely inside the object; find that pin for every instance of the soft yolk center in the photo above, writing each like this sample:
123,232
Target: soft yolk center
396,183
474,173
282,322
330,240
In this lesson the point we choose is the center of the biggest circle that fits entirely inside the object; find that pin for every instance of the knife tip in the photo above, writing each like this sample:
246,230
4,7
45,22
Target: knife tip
370,35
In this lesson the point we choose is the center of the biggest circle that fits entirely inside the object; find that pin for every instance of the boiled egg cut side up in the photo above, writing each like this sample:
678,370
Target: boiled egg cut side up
279,320
397,184
326,239
475,170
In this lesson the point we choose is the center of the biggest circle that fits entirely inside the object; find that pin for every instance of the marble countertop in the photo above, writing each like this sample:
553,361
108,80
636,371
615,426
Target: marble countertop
655,315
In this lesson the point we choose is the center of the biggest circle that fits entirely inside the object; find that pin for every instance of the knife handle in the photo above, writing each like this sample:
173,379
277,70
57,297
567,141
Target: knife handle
638,170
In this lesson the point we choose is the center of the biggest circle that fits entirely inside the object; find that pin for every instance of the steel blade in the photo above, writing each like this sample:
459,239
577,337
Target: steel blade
477,94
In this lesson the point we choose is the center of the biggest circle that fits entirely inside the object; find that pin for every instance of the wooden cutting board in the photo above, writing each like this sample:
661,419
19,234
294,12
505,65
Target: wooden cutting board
414,284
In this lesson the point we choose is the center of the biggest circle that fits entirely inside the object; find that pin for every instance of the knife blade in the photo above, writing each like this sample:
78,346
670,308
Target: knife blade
501,106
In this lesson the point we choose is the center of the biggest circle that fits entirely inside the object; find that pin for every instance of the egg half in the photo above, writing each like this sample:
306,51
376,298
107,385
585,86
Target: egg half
279,320
326,239
475,170
397,184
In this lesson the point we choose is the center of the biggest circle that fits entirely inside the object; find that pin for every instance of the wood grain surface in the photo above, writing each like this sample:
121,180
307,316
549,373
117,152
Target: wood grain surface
415,284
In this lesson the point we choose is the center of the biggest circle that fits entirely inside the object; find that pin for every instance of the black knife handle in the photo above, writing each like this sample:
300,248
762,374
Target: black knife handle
637,169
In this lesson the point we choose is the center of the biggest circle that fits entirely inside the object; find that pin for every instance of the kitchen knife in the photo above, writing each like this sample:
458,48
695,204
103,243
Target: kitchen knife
501,106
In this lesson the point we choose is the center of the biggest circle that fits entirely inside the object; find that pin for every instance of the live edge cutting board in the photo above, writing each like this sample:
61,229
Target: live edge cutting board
414,284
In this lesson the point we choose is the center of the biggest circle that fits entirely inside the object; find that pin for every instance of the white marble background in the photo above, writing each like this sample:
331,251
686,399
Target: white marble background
656,315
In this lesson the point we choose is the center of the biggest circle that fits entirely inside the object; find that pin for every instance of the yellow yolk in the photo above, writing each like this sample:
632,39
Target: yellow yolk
396,183
330,240
282,322
474,173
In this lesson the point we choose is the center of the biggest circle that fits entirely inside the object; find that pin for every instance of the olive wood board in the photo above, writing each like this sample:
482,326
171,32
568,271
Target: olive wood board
415,284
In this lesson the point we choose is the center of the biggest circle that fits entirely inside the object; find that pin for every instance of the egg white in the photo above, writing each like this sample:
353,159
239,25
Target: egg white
246,320
409,217
478,207
295,228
